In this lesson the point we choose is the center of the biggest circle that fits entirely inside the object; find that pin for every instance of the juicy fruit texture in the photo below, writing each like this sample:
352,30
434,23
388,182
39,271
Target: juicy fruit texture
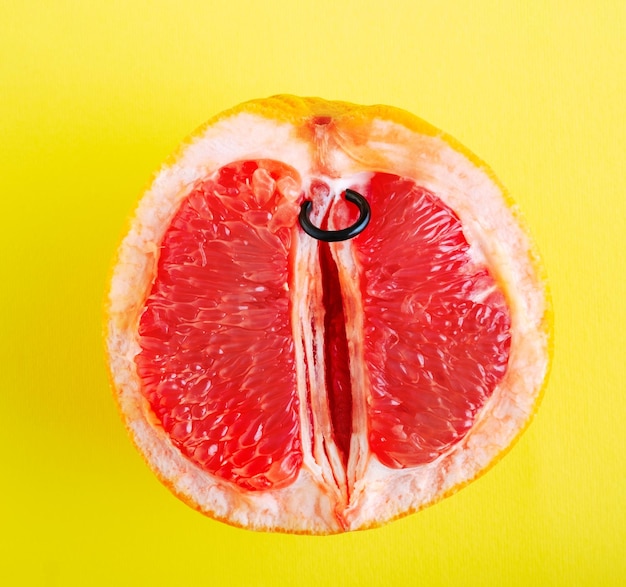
436,327
280,382
217,357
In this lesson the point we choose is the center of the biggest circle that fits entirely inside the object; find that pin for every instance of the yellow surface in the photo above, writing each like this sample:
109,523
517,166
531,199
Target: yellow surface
95,95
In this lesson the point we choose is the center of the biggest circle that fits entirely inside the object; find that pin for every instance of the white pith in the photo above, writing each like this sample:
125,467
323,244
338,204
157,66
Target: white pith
314,503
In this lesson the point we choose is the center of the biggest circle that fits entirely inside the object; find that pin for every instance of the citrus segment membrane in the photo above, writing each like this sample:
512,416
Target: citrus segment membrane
217,359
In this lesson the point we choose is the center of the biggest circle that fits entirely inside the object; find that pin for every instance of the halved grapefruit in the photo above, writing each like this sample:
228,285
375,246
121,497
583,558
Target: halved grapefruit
323,317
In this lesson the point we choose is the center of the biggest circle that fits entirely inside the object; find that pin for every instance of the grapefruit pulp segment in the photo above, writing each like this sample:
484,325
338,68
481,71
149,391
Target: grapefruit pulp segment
436,326
217,357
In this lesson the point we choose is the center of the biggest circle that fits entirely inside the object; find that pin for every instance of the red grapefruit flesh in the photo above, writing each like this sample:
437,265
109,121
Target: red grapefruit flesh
217,358
280,382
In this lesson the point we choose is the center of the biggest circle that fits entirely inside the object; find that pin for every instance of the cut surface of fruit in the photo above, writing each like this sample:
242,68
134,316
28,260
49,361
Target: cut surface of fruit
280,382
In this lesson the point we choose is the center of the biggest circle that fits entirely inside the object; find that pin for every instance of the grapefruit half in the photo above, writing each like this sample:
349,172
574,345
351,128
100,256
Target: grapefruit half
278,380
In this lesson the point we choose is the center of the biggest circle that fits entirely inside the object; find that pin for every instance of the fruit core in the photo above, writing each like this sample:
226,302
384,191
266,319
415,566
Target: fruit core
263,348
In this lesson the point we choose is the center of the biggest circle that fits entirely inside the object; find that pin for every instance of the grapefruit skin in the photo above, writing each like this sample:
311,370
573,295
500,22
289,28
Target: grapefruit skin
368,477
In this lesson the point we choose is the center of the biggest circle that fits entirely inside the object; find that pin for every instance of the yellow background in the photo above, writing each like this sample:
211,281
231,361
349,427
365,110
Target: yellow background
95,95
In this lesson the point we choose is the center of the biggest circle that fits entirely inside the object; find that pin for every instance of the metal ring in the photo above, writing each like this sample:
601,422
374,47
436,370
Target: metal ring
337,235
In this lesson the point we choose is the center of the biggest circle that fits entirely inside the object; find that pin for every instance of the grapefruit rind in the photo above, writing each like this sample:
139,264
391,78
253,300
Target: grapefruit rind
365,138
